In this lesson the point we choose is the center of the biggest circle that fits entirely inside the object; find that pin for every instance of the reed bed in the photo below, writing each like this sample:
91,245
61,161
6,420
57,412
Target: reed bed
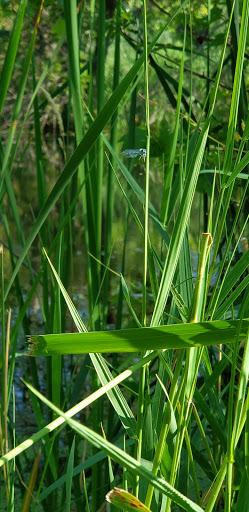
139,402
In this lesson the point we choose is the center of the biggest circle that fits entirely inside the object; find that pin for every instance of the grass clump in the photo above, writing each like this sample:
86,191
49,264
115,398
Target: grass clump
156,246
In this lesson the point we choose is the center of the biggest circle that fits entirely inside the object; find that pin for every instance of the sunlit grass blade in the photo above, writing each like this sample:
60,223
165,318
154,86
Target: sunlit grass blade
76,409
137,340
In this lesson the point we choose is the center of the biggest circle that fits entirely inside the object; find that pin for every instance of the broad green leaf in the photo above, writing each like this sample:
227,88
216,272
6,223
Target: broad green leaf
137,340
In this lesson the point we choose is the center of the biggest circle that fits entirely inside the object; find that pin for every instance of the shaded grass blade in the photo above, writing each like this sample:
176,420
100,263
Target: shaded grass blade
11,53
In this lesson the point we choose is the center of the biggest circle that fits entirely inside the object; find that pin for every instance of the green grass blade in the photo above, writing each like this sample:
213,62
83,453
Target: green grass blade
11,53
137,340
19,101
69,478
170,170
76,409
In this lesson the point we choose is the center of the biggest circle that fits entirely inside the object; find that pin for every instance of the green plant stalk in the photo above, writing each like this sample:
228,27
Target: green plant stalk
215,487
189,382
173,399
192,465
147,171
239,163
241,396
159,452
197,308
85,490
11,53
191,367
140,415
240,400
40,176
90,56
70,8
167,186
131,143
3,349
96,182
111,175
121,293
57,361
204,438
219,227
140,410
98,178
44,233
190,93
69,479
18,104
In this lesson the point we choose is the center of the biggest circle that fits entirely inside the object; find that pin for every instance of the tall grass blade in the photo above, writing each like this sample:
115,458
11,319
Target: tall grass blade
11,53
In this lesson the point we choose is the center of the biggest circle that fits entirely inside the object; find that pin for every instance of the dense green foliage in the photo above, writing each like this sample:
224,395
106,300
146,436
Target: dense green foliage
148,242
